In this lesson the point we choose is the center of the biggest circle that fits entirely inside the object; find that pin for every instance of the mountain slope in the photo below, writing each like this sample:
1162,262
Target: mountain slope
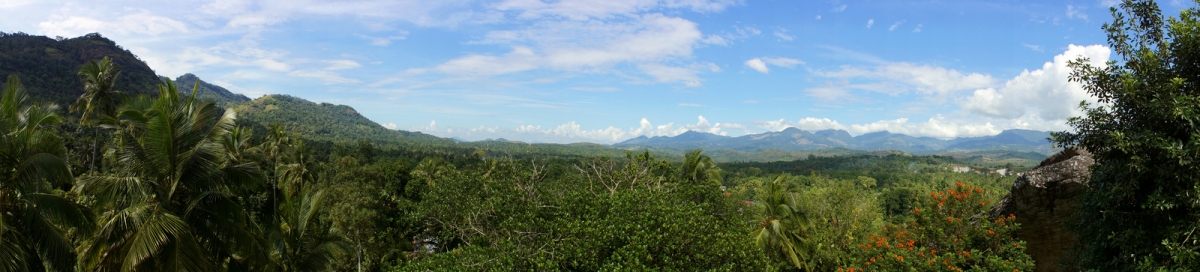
321,121
207,91
47,67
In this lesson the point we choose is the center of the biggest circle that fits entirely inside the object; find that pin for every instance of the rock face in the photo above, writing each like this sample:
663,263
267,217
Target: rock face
1042,199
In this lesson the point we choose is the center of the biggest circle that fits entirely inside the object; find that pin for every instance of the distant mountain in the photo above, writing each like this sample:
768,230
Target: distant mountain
48,67
321,121
794,139
218,94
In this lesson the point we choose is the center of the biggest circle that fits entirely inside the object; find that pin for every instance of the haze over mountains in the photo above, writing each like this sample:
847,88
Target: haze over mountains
47,67
794,139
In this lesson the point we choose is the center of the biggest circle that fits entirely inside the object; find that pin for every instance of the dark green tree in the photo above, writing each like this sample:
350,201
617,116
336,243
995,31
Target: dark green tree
100,99
170,204
1142,207
33,219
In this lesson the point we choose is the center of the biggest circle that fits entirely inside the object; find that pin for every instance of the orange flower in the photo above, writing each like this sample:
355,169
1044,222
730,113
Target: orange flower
990,232
959,184
1016,245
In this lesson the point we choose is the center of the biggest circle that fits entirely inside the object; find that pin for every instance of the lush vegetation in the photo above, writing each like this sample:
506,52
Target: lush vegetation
169,179
1143,209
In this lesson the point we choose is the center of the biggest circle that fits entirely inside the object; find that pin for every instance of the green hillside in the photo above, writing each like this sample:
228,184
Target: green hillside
322,121
208,91
48,67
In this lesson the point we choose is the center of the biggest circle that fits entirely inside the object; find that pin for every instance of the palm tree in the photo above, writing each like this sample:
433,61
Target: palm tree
170,204
100,98
33,220
783,231
700,168
299,241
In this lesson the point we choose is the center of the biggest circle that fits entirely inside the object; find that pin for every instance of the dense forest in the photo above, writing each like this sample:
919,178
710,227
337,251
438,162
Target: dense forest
181,175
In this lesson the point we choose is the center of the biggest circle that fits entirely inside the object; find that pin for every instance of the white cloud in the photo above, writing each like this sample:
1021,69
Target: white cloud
386,40
646,41
782,34
572,132
784,62
758,65
1044,94
343,64
818,17
391,126
326,77
690,105
839,8
142,23
586,9
900,77
1033,47
670,74
918,29
1075,12
937,127
870,22
895,25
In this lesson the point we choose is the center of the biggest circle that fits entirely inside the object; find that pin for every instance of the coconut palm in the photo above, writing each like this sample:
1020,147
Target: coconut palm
33,220
783,231
700,169
299,241
170,202
100,98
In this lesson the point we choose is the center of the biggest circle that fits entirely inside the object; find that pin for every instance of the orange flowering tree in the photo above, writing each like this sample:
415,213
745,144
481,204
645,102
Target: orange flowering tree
941,236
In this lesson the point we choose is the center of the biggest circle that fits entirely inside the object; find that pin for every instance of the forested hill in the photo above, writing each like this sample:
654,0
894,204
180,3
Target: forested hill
207,91
47,67
322,121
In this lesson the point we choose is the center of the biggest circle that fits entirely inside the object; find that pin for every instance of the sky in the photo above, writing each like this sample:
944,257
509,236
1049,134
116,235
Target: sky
563,71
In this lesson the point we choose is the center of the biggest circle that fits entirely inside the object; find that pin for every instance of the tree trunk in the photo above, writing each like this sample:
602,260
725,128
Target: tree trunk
359,252
96,160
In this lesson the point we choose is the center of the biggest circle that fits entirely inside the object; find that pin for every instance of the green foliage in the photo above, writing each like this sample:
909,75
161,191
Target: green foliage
783,232
944,235
34,216
209,92
170,203
1142,206
630,215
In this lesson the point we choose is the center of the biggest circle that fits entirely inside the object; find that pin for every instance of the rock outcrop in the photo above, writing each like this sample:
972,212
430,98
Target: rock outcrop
1042,199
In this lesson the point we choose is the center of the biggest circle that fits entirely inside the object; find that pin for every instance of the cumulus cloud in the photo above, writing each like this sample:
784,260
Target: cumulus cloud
870,22
1039,94
391,126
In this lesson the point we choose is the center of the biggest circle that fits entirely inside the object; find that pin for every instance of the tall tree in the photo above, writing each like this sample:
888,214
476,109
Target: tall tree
32,218
100,99
170,205
1142,207
782,232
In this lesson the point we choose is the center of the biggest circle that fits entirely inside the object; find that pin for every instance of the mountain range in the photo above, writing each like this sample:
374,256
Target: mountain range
47,68
794,139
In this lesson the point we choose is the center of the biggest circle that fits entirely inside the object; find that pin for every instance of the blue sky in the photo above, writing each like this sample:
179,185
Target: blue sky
606,71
